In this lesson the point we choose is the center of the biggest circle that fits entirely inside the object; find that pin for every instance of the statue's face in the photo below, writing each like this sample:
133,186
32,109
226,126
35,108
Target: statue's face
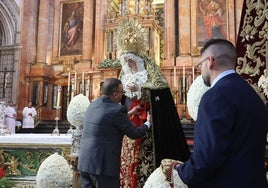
132,65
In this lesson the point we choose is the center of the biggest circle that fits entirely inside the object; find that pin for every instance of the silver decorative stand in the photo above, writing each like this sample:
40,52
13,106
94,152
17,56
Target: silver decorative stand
184,120
3,128
56,131
70,130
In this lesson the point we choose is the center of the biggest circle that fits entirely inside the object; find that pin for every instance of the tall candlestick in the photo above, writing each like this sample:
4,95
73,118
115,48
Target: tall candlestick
58,97
193,72
75,79
83,82
69,82
87,88
174,77
183,77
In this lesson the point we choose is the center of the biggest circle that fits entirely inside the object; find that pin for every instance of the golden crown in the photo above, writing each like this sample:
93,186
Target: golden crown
131,37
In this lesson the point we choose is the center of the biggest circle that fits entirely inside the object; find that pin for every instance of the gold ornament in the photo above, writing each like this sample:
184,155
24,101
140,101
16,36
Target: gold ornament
131,37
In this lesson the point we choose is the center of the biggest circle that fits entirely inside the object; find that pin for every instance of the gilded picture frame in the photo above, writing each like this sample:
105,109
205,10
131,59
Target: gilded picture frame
71,29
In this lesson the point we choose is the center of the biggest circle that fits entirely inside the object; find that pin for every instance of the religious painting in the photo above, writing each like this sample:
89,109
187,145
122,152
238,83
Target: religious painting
71,30
211,20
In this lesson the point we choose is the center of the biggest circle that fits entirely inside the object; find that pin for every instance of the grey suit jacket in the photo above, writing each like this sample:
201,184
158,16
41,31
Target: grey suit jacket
105,124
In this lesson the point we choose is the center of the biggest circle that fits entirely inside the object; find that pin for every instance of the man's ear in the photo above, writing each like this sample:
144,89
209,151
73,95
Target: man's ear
211,63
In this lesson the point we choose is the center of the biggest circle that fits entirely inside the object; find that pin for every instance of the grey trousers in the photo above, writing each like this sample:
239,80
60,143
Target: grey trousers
98,181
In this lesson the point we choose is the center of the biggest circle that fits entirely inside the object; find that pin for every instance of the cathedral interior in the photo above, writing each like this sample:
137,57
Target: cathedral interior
53,50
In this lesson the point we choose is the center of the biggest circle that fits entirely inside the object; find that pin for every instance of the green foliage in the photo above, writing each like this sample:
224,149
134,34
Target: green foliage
6,183
110,63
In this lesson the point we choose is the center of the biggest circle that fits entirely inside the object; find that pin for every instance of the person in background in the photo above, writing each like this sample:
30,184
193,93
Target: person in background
10,117
231,126
28,113
106,122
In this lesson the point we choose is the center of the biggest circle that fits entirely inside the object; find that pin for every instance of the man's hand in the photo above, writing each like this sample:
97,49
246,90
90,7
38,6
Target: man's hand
167,166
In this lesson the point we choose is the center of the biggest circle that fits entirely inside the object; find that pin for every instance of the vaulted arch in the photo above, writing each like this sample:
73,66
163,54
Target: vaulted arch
9,14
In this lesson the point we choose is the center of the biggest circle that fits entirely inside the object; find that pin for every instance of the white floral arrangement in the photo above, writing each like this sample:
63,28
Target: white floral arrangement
77,109
54,172
194,95
263,82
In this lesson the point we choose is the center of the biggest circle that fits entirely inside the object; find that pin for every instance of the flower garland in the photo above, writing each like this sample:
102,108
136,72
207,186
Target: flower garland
194,95
54,172
77,109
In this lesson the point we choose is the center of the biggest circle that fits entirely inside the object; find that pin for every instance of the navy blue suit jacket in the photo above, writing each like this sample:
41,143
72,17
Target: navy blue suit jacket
105,124
229,139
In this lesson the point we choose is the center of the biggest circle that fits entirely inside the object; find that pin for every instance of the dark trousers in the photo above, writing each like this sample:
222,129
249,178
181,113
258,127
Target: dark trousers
97,181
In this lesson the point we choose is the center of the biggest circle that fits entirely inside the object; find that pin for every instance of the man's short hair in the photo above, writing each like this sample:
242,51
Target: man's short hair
223,49
110,85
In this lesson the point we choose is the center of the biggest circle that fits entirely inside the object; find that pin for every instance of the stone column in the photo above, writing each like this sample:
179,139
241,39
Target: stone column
184,19
99,32
169,32
88,29
42,31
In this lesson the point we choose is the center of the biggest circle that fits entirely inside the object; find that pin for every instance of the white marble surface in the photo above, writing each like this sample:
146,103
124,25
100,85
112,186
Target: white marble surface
36,139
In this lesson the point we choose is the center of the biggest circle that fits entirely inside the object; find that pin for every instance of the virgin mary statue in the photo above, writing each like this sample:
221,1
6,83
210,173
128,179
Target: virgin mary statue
145,85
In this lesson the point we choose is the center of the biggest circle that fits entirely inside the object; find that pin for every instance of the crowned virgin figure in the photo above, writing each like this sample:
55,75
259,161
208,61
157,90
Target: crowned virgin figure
145,85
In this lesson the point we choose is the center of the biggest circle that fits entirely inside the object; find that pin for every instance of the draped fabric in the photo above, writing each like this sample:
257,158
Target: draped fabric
252,44
165,140
252,49
169,139
136,154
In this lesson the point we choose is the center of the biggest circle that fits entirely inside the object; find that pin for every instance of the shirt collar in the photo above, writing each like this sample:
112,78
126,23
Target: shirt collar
225,73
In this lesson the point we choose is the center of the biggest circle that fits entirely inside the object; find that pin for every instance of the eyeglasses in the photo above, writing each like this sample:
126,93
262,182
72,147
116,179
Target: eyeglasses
122,92
198,66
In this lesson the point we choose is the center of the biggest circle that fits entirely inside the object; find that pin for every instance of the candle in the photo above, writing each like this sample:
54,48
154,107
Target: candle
87,88
69,82
183,77
193,72
73,85
58,97
74,89
83,82
174,77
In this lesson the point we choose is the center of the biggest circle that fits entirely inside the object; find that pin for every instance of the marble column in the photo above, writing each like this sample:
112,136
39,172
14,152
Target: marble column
99,31
184,19
88,29
42,31
169,31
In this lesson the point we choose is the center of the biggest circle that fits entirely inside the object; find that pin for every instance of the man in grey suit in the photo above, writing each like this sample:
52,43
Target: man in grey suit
105,124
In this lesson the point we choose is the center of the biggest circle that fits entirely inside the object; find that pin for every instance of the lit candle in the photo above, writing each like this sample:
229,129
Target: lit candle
174,77
58,97
183,77
69,82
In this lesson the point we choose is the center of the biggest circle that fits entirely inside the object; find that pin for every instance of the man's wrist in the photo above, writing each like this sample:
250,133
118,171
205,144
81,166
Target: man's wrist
148,124
176,166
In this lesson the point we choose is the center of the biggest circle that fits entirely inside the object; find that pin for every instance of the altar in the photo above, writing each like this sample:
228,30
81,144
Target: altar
24,153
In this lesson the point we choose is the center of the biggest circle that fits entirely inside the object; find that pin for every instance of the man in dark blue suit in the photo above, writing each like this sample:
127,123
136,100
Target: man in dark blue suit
105,124
231,127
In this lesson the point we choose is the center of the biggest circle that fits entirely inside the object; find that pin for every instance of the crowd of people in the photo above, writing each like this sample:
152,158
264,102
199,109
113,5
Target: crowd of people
11,122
